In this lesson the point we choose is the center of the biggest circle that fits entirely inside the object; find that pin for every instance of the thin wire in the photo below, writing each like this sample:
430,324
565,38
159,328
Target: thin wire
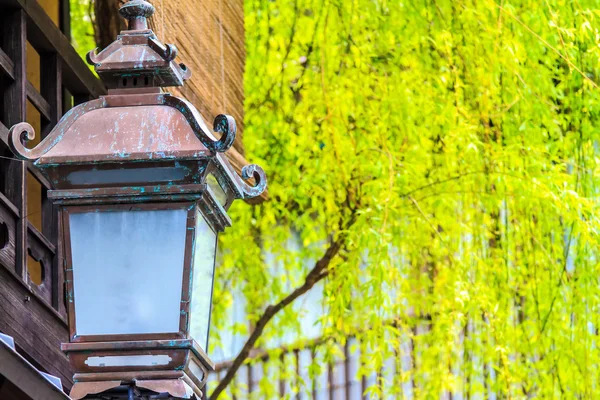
33,213
11,158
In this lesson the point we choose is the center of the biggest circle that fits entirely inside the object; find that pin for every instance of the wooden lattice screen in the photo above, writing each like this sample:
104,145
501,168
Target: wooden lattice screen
32,306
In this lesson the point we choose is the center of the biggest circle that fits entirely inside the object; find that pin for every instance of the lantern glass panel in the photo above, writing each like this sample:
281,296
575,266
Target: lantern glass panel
127,270
217,189
202,281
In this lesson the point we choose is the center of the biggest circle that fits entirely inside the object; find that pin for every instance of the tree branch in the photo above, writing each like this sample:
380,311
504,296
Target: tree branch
107,22
316,274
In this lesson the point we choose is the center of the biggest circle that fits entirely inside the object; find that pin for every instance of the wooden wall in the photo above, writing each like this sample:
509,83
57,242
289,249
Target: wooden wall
34,188
210,37
28,311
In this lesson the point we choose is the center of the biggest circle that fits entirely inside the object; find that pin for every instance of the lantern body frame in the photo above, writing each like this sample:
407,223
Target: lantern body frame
186,271
139,148
150,355
119,293
197,200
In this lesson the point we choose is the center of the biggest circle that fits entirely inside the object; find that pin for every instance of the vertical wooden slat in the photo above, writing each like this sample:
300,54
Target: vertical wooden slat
281,371
249,379
347,377
80,98
65,18
297,364
67,100
313,352
51,90
58,274
330,379
363,387
378,379
14,106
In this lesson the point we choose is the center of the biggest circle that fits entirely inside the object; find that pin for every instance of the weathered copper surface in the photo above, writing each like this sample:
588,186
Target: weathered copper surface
139,148
142,132
187,362
174,387
159,128
82,389
127,376
152,389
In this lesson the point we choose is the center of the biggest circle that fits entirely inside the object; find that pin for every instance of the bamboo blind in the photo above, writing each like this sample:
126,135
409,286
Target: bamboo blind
210,37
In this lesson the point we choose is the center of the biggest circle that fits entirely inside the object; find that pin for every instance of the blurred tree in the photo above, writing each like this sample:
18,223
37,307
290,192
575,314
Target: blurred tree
82,29
107,21
96,18
439,161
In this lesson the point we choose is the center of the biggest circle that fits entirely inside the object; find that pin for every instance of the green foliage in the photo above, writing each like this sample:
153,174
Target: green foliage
456,143
82,29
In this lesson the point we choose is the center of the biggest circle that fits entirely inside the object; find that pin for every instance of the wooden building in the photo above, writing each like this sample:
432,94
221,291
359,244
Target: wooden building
41,78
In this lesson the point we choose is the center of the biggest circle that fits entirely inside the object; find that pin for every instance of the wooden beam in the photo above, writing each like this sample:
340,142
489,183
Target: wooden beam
7,67
38,235
8,204
15,100
10,392
51,89
38,101
3,136
26,377
36,327
46,37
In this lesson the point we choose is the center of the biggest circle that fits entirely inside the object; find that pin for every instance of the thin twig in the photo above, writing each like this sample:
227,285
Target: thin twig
571,64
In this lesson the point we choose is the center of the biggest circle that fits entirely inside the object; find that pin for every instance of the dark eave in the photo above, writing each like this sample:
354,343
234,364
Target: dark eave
23,375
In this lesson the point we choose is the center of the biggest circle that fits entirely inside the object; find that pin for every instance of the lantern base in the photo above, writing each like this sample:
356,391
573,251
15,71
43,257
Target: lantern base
176,368
170,389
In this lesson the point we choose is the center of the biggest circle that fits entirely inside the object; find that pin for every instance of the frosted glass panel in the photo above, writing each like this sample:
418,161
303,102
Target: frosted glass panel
216,188
202,281
127,270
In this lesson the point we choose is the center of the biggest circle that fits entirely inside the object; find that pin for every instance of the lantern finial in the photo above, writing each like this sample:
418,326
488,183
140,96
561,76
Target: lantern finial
137,61
136,12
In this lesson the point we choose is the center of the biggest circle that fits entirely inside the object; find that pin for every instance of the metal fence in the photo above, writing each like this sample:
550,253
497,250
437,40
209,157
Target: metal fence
319,370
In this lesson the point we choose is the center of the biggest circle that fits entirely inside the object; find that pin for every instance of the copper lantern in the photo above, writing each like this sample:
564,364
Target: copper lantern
142,188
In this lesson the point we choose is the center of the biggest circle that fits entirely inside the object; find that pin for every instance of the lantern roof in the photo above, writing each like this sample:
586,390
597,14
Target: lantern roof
136,123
